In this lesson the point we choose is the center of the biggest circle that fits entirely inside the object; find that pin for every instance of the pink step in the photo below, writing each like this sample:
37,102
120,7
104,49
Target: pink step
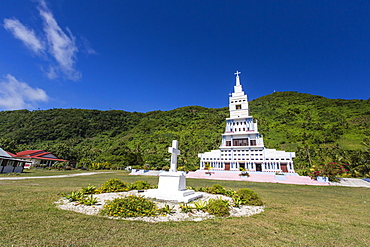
254,178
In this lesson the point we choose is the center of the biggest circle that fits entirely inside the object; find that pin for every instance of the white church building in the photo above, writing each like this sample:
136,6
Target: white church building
242,145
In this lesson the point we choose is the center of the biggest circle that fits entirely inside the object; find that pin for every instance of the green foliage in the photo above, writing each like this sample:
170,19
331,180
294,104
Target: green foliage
80,197
89,200
167,209
100,166
229,193
200,205
114,185
216,189
331,170
247,197
60,165
74,196
129,206
90,189
218,207
186,208
140,185
319,130
244,174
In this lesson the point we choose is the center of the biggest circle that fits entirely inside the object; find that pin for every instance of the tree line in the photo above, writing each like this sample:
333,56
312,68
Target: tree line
318,129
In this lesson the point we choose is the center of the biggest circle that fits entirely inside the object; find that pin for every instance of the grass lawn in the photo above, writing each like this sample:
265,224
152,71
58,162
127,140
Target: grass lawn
295,215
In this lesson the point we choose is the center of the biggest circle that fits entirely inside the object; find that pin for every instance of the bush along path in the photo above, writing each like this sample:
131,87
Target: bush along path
120,200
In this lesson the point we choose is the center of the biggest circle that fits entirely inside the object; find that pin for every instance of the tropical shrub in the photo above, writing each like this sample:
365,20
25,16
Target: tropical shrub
88,201
247,197
90,189
81,198
74,196
114,185
100,166
186,208
218,207
140,185
216,189
244,174
229,193
331,170
130,206
200,205
167,209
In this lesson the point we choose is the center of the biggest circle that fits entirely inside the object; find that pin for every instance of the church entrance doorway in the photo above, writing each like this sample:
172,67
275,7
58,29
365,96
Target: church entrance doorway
227,166
284,167
258,168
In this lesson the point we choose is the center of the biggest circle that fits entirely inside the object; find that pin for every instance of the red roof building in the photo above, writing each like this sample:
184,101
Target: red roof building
39,157
9,164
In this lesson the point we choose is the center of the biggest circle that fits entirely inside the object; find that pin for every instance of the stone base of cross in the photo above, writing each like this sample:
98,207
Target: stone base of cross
174,150
172,184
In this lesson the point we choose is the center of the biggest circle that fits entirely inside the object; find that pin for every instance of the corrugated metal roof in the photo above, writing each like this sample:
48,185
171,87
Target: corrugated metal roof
4,154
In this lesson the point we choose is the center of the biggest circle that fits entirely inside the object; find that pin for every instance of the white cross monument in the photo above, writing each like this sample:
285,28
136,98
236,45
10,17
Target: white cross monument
172,184
174,151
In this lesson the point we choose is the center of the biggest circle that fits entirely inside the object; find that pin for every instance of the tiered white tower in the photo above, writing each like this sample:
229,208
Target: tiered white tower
242,145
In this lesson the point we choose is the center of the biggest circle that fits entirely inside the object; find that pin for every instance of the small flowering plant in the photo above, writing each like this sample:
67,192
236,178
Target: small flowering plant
130,206
331,170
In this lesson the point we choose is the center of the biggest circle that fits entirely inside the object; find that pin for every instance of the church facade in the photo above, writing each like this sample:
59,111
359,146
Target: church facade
242,145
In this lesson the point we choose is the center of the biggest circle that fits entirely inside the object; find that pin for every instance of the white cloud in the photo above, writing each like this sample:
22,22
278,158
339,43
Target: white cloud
15,94
61,45
27,36
51,73
87,47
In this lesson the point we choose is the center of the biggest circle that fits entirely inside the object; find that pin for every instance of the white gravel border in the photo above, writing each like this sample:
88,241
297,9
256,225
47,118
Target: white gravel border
176,215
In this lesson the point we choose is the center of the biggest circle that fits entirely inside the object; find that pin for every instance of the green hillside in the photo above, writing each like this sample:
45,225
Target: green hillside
318,129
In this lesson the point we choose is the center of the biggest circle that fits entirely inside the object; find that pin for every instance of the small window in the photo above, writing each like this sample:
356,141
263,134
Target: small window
238,107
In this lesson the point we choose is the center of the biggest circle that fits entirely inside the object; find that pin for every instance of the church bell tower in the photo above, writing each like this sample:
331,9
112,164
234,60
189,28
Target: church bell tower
238,102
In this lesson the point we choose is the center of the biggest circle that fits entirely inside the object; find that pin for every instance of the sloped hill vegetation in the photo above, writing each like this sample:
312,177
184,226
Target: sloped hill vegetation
318,129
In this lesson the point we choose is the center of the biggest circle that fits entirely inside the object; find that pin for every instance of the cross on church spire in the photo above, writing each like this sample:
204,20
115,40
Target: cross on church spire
237,77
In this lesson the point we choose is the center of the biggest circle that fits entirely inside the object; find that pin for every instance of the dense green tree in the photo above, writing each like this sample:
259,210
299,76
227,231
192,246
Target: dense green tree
318,129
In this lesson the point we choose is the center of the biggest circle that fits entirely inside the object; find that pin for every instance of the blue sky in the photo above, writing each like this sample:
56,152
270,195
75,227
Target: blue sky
160,55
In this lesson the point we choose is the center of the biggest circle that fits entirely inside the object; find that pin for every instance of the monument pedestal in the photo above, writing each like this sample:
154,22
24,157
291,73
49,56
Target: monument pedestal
172,187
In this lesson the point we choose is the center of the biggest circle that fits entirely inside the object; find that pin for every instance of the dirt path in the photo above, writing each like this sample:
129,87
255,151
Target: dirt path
352,182
56,176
